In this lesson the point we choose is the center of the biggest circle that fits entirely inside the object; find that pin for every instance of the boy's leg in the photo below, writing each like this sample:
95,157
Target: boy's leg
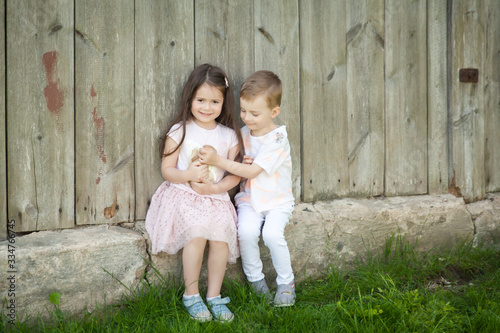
273,235
192,257
216,266
249,224
274,238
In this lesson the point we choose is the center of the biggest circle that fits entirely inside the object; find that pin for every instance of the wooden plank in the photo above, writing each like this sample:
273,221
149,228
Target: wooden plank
323,93
210,21
225,37
406,97
277,49
365,97
104,71
437,83
40,128
3,162
241,36
468,100
492,96
164,49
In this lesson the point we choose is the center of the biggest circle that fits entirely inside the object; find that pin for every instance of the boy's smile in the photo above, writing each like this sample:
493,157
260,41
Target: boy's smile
257,115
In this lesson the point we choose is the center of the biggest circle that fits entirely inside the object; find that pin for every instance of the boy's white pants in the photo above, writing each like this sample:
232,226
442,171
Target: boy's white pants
249,227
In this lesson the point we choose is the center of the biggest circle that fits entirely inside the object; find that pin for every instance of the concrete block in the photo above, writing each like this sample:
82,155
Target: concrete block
362,226
72,262
486,217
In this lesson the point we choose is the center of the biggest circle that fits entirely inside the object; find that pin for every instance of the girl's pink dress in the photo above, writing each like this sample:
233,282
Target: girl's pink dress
178,214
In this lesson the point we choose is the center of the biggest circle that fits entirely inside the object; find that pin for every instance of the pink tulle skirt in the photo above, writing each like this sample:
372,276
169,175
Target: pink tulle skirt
176,216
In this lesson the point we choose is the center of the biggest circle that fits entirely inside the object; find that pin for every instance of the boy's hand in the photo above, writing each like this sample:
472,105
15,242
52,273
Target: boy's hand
208,155
247,159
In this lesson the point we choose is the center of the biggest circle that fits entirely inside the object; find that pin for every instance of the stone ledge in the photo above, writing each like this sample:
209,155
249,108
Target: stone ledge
486,217
333,234
72,263
320,236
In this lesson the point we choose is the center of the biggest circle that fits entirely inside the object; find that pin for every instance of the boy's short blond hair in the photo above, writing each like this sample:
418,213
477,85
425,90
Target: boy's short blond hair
262,82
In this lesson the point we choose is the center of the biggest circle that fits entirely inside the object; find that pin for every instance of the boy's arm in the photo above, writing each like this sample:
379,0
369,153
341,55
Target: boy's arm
209,156
224,185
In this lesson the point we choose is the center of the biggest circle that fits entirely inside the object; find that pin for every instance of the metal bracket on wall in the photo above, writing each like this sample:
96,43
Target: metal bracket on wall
468,75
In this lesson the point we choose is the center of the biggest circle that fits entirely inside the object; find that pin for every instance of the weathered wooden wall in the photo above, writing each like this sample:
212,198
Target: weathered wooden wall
405,97
40,114
164,49
372,101
475,108
437,96
3,155
104,111
491,68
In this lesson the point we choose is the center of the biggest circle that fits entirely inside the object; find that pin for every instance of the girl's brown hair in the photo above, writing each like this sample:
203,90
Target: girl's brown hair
215,77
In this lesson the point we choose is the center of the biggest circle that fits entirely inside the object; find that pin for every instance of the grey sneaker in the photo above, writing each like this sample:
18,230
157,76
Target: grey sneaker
285,295
260,288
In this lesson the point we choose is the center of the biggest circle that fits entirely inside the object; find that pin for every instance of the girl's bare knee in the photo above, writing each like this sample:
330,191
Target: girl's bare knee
217,244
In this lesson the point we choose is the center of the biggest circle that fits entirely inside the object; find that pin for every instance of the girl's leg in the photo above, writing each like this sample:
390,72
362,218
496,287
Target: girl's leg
217,259
216,266
192,257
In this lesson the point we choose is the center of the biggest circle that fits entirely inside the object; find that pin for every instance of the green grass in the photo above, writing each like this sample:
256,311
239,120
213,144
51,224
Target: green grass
394,291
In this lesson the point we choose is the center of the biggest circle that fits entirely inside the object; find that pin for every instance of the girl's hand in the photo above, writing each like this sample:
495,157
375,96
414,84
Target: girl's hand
198,172
204,188
208,155
247,159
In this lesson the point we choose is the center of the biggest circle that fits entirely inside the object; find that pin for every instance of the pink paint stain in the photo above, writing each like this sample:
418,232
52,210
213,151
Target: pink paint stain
54,96
100,126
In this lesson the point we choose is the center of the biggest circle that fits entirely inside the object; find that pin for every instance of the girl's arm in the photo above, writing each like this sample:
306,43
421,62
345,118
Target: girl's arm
195,173
226,183
249,171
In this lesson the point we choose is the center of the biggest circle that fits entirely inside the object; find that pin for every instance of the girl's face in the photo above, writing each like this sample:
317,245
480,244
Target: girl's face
207,106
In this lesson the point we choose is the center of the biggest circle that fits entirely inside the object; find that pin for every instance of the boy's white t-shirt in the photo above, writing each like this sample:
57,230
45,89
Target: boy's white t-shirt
273,186
222,138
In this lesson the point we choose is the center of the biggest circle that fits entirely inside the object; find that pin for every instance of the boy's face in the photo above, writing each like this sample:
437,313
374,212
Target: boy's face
257,115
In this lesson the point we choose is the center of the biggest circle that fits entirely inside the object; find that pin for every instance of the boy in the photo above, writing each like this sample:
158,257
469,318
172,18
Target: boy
266,196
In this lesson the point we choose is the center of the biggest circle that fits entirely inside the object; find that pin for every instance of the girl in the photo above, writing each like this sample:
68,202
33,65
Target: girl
187,210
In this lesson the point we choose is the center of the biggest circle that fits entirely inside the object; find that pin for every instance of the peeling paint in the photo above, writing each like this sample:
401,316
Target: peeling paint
54,95
100,126
92,92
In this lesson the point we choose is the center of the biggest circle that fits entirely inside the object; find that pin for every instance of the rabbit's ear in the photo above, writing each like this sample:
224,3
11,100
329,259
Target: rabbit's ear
194,155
